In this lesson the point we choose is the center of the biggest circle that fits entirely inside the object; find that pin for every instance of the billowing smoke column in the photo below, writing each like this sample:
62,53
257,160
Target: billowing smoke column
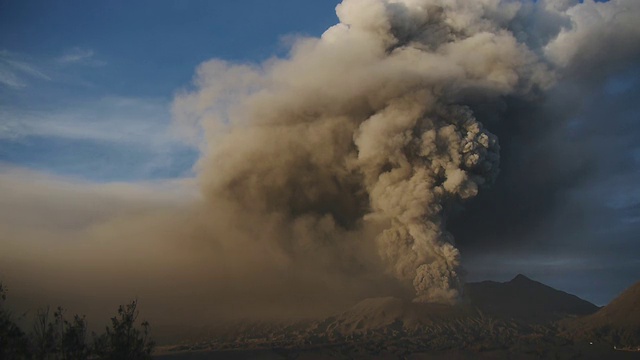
416,160
369,130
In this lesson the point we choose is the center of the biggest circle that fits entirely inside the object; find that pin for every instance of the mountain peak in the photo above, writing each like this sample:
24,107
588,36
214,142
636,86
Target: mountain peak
520,278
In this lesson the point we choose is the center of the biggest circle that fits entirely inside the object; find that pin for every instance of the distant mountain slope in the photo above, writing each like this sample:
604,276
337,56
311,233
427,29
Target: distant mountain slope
526,299
623,311
521,299
617,323
508,320
392,314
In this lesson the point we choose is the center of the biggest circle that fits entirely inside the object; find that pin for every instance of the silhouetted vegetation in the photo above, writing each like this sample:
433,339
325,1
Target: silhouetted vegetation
123,340
13,341
58,338
54,337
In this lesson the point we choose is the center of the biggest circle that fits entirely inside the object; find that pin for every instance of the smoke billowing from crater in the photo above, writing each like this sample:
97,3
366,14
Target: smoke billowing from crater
370,127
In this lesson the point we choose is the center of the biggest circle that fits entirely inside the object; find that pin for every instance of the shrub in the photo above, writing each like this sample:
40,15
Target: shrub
13,341
123,341
56,338
73,344
59,338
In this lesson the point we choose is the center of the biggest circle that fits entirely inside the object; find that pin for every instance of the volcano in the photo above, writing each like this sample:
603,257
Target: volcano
515,319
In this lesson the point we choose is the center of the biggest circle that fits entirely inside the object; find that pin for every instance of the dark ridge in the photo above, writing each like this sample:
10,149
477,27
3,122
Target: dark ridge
617,323
526,299
522,279
623,310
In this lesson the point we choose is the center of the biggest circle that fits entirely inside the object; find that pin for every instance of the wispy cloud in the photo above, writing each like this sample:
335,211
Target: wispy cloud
15,70
18,71
110,119
10,79
117,138
27,69
80,56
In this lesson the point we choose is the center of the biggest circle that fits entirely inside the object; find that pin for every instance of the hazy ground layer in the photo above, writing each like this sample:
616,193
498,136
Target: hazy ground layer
580,351
476,328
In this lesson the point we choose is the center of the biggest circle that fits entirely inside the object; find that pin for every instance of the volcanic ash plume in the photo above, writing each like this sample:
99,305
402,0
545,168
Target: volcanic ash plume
411,174
368,129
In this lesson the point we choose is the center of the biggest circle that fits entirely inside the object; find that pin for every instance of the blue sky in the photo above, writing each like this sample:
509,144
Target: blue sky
86,87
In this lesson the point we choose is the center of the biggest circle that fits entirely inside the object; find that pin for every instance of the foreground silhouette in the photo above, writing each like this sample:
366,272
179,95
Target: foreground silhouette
54,337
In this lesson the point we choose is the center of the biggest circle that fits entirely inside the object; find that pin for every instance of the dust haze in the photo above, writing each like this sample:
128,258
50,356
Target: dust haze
327,176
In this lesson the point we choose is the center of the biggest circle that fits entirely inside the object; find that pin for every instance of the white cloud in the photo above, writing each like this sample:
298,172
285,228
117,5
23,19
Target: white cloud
27,69
15,71
18,70
10,79
80,56
141,128
119,138
139,121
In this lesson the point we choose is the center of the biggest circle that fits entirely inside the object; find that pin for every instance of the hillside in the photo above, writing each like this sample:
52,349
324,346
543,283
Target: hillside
387,313
623,311
617,323
514,319
526,300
